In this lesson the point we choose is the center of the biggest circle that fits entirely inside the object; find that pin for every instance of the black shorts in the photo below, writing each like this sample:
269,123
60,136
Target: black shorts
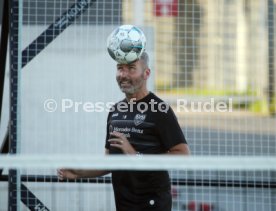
150,202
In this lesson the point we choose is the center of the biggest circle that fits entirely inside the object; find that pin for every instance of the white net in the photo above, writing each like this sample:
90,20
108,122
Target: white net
212,61
206,183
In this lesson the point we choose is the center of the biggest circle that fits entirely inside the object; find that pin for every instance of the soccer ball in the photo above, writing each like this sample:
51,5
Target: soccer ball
126,44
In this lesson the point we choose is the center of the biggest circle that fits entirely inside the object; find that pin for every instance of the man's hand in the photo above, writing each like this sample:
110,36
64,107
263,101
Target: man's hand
119,141
66,174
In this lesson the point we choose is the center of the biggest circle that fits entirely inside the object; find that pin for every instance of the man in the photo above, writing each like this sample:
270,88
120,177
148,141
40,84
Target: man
147,126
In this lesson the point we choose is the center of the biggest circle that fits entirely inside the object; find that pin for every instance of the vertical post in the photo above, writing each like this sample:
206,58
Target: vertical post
271,66
14,179
4,147
3,48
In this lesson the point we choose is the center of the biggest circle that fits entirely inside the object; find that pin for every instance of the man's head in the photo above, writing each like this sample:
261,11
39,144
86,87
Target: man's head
132,78
145,60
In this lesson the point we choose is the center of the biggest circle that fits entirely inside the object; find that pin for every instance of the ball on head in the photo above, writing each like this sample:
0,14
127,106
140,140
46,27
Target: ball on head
126,44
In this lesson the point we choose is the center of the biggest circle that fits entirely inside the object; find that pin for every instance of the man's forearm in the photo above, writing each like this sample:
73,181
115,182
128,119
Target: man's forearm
180,149
90,173
179,152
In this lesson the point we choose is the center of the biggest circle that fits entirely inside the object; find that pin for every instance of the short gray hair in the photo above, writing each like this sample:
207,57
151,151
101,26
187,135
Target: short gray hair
145,58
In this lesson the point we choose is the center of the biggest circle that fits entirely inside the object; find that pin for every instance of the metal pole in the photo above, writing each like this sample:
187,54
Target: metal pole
271,72
14,179
3,48
4,147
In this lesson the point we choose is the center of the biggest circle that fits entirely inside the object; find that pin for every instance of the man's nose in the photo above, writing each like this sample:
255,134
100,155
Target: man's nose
123,72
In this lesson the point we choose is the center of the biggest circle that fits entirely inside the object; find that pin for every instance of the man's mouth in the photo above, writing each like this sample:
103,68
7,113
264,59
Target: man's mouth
124,83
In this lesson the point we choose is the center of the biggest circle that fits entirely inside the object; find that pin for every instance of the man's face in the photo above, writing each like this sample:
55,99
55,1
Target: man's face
131,77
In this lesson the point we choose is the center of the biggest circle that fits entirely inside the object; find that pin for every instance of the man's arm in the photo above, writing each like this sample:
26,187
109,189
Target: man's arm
78,173
121,142
179,149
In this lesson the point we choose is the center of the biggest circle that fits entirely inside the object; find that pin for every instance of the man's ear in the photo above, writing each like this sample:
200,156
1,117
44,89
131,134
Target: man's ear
146,74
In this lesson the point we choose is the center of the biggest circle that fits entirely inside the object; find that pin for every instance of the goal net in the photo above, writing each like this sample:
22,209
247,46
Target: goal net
211,61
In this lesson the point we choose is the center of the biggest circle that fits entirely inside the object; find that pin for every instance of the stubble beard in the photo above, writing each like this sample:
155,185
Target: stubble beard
134,87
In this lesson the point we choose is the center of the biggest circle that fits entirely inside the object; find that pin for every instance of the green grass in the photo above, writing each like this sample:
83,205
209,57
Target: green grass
262,107
259,106
203,92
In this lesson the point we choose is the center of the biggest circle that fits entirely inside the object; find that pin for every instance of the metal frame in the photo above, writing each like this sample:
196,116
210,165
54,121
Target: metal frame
10,24
174,181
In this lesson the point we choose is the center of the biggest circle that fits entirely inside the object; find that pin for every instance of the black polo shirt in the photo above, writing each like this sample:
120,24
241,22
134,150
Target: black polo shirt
151,127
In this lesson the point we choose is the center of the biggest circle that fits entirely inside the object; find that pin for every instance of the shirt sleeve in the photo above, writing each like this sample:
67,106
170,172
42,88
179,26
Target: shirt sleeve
169,130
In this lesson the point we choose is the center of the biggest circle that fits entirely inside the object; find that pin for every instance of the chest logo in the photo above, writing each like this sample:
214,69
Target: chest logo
115,115
139,119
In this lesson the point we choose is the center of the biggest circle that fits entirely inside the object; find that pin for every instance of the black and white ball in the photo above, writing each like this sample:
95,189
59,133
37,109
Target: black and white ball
126,44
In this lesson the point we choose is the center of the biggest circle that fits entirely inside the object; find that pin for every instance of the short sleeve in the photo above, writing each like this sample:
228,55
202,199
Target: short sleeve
169,130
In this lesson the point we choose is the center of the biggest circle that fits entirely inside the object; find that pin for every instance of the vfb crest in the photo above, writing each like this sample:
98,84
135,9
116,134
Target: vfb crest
139,119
